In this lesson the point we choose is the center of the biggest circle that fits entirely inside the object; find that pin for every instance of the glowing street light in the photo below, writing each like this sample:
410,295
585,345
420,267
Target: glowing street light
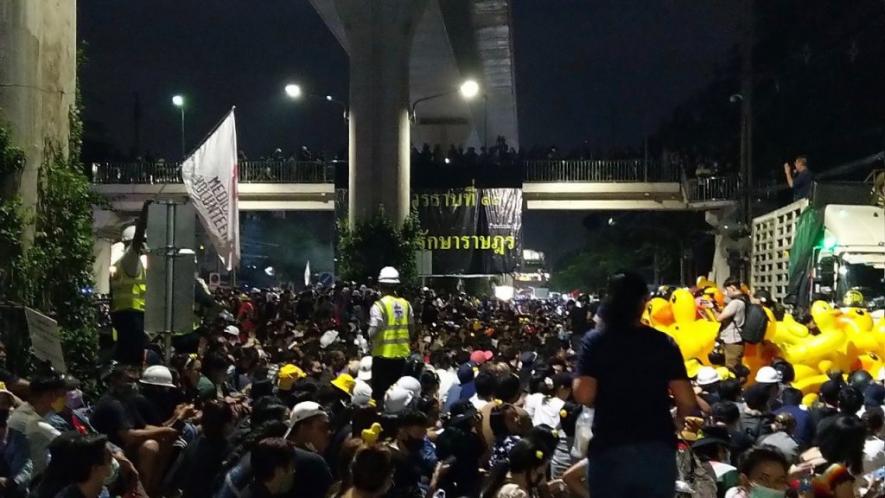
469,89
293,91
178,101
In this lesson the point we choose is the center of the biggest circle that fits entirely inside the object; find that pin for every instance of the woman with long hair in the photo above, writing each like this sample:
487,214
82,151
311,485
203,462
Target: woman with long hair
522,475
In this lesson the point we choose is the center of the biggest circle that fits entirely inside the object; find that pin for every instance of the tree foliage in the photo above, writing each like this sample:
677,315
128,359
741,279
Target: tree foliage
375,243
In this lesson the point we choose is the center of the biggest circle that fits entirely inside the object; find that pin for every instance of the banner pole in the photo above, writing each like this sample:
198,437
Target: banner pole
170,280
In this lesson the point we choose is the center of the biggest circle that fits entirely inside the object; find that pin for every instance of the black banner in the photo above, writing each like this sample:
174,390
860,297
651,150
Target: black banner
470,230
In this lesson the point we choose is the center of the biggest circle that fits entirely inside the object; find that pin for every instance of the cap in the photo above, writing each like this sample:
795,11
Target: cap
362,395
707,375
345,382
232,330
479,357
365,369
410,384
157,375
303,411
768,375
397,399
465,373
287,376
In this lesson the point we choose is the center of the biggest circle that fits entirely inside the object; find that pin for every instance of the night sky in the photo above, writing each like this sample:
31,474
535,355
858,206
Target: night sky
606,71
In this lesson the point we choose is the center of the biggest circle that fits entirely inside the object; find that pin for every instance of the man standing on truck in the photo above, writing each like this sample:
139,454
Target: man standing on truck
731,321
800,180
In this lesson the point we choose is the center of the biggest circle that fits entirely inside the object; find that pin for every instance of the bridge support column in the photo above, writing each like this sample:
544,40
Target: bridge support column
379,37
38,64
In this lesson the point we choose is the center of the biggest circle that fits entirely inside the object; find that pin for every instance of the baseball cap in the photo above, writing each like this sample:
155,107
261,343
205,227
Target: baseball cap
397,399
707,375
287,376
410,384
479,357
362,395
465,373
365,369
303,411
768,375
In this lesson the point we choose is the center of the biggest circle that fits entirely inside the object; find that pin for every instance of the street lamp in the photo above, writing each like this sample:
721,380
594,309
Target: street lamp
293,91
468,89
178,101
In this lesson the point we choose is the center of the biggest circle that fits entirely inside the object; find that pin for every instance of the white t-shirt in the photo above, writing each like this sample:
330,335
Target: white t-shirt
547,412
447,379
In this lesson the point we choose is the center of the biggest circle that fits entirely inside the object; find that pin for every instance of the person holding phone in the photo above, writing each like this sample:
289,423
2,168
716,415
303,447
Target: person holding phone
799,177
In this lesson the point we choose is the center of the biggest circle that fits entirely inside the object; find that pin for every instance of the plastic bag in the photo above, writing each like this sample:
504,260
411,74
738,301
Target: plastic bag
583,433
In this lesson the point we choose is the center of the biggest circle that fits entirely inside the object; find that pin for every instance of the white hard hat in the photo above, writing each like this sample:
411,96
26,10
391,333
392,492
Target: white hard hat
707,375
157,375
410,384
768,375
365,371
388,275
128,234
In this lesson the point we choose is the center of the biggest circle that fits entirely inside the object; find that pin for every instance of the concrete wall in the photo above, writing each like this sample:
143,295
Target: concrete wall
38,64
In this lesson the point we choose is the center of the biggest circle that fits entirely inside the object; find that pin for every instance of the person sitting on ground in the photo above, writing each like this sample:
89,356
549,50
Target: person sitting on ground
804,430
522,475
371,473
149,446
409,475
83,464
273,469
874,447
309,432
781,438
202,460
763,472
713,448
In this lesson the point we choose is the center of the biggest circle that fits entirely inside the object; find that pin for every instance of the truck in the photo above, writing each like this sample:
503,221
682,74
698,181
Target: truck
829,247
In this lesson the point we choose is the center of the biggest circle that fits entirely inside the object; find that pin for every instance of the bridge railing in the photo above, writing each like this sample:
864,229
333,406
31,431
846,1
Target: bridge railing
249,172
714,188
620,170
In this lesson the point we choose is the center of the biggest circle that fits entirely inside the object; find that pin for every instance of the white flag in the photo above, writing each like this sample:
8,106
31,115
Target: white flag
307,274
210,177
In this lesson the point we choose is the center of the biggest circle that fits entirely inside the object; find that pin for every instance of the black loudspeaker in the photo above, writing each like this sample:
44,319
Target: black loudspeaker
851,193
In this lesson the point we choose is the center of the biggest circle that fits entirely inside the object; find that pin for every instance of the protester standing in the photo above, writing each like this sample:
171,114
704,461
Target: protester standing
731,321
391,330
633,450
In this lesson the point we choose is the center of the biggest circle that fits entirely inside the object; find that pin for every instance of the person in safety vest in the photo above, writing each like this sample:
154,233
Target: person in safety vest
128,289
391,331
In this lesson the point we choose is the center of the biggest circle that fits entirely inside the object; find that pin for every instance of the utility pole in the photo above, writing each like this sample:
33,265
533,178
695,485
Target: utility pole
748,42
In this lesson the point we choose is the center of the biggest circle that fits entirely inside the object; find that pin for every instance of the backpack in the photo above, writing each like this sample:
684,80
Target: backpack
755,322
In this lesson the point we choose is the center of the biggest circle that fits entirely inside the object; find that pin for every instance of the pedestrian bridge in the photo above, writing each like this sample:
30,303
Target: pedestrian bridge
580,185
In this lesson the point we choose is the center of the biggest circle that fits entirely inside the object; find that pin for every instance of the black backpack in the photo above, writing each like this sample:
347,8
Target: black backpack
755,322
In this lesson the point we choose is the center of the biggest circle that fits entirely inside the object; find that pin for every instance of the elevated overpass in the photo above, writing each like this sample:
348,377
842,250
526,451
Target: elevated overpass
574,185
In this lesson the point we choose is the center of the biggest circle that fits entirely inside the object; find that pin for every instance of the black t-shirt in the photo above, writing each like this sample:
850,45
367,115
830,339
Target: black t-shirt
112,415
633,368
313,477
802,185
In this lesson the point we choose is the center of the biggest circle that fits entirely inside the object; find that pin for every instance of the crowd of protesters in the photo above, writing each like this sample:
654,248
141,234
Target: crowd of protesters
276,394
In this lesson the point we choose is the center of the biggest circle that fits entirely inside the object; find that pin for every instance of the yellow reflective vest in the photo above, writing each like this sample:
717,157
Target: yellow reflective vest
392,338
127,293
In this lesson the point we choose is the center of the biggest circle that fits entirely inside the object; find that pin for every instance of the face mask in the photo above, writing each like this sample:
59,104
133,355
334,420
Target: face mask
757,491
58,405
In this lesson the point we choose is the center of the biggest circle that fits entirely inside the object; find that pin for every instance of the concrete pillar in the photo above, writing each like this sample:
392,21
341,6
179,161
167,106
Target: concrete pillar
379,36
38,67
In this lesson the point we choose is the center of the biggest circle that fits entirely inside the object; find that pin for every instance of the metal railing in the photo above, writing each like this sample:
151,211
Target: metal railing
249,172
714,188
605,171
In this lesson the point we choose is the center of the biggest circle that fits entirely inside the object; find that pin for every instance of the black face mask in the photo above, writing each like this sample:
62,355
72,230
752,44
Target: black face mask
4,415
